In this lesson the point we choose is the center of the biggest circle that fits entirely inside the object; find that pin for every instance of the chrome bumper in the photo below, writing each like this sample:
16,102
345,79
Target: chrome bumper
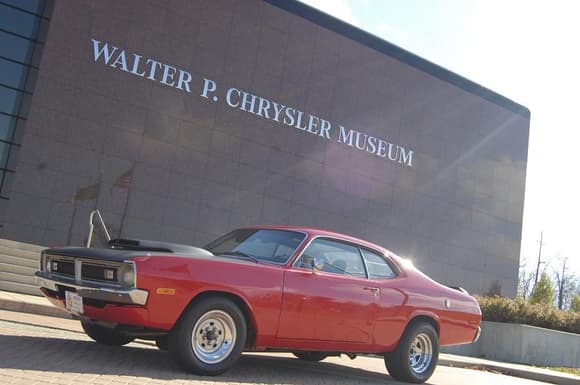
477,334
130,296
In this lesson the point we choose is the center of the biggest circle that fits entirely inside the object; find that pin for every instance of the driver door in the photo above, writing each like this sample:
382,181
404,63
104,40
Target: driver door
335,304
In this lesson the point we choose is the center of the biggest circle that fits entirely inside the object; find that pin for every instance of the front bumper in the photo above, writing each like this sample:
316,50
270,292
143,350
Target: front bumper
127,296
477,334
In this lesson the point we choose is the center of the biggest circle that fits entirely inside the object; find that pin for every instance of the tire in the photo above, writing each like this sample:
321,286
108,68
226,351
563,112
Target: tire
105,335
310,356
209,337
161,343
416,355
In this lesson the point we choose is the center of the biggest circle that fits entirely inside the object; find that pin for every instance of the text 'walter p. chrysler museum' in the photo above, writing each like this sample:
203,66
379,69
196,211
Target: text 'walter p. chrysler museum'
181,120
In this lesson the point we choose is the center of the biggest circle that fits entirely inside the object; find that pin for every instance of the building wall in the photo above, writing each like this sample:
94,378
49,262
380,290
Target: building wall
164,163
23,28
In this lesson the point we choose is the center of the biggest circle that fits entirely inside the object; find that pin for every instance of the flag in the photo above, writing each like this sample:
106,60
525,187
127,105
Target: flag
124,180
87,193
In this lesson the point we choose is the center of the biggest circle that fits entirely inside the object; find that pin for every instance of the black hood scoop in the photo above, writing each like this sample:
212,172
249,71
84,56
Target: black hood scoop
154,246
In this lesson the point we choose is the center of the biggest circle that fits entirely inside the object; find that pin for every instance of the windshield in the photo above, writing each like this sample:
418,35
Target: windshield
275,246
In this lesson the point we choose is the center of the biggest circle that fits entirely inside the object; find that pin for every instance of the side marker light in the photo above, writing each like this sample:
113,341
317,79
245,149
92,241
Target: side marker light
165,291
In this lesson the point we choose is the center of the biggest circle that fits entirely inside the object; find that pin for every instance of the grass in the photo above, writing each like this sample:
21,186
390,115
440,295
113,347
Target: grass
575,371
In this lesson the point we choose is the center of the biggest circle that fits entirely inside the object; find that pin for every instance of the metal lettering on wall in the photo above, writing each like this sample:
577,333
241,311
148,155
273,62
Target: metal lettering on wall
245,101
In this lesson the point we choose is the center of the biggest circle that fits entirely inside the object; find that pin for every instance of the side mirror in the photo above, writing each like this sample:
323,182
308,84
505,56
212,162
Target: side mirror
317,264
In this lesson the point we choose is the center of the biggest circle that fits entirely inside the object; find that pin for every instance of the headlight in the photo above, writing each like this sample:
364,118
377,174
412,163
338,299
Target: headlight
128,275
45,263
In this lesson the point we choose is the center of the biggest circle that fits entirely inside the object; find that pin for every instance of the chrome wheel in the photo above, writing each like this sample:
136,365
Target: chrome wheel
420,353
213,337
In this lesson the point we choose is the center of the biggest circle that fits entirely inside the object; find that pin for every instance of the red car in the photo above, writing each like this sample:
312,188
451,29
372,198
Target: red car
311,292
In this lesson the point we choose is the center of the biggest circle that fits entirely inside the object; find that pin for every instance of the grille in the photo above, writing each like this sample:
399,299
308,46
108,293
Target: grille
99,272
63,267
84,269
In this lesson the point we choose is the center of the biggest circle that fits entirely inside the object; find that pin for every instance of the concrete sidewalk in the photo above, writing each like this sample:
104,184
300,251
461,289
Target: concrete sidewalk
30,304
39,305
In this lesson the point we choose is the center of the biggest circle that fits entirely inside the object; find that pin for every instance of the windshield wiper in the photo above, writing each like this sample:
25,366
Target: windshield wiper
239,254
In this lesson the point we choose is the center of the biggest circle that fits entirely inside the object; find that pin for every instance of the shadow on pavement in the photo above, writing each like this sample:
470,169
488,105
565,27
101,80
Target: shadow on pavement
73,356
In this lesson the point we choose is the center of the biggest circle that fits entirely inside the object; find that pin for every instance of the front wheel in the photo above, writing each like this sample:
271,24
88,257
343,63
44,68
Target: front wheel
416,355
310,356
105,335
209,337
161,343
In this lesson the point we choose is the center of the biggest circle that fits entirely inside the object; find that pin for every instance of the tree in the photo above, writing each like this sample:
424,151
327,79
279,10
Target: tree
565,285
543,292
525,282
575,303
494,289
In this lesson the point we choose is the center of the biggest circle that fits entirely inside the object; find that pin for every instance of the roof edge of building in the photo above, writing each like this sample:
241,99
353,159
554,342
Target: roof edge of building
371,41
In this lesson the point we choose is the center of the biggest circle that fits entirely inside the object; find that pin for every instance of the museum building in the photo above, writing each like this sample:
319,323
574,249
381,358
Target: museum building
181,120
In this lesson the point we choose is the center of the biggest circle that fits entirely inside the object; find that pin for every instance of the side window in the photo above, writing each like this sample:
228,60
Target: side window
377,266
338,257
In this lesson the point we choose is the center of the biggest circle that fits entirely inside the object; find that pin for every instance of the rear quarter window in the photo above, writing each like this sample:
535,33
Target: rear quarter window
377,266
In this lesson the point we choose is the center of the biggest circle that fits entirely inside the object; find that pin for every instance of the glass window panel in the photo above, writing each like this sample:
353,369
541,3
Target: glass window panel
13,157
3,210
338,257
34,6
264,244
7,124
7,185
25,104
42,30
19,131
3,153
36,54
19,22
9,100
12,74
14,47
48,7
377,266
31,79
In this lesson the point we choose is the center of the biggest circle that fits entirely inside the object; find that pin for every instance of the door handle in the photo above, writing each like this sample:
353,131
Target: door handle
374,290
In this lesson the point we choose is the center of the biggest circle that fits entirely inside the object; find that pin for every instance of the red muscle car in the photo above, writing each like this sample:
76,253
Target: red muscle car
310,292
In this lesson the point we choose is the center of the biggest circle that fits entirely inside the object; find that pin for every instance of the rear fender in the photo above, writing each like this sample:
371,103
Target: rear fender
425,316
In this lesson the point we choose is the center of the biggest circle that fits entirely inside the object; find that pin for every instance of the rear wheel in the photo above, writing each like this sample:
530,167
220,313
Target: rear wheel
310,356
105,335
209,337
416,355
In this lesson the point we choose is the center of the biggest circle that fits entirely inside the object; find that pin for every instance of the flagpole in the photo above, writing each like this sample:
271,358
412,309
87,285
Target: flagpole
126,208
83,194
72,220
96,205
98,192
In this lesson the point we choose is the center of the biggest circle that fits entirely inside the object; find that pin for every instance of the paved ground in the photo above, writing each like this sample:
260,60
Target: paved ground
36,349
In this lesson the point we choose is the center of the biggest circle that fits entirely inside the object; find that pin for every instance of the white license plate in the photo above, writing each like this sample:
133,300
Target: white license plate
73,302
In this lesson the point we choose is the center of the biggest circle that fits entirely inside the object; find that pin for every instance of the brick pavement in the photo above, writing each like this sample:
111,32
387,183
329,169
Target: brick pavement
43,350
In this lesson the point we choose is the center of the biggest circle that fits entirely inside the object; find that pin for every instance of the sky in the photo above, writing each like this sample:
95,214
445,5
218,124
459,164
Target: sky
528,51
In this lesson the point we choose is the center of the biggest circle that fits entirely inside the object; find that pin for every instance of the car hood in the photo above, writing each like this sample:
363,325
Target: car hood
119,255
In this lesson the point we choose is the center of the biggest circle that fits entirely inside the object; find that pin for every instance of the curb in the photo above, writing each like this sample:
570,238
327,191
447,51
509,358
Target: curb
33,308
541,376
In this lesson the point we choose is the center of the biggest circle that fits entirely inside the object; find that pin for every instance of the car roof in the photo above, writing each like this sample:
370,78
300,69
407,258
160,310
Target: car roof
314,232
